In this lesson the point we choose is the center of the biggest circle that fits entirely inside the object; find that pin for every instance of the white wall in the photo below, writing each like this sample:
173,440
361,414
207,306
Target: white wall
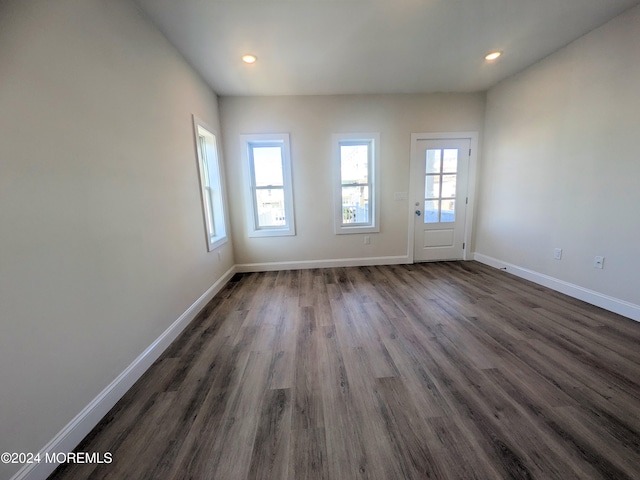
561,165
311,121
102,244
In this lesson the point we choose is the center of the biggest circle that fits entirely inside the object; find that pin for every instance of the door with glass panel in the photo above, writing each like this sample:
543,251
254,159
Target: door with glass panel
439,175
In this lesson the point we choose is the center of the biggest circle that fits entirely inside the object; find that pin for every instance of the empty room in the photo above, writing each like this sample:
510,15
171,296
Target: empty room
328,239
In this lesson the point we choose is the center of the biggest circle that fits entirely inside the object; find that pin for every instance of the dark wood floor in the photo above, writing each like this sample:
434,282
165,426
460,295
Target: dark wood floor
440,370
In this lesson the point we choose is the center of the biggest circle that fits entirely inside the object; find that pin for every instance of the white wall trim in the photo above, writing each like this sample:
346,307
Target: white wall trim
601,300
336,262
74,432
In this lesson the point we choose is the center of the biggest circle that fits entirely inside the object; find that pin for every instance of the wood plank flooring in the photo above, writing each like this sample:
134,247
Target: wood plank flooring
428,371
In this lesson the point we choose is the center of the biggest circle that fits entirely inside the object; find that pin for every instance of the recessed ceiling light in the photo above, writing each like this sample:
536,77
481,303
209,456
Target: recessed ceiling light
492,55
249,59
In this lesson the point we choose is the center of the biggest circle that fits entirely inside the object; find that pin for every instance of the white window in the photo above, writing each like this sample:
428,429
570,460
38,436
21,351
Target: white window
210,172
267,166
356,180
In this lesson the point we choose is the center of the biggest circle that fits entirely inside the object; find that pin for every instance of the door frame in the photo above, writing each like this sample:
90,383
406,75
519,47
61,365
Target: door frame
471,186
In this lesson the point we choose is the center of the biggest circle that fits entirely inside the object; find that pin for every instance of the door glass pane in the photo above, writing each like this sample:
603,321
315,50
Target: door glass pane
433,161
354,163
355,205
270,205
432,186
450,160
448,186
267,164
448,213
431,211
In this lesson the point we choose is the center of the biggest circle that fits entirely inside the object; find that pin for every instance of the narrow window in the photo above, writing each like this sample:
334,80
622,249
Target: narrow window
356,180
210,174
270,193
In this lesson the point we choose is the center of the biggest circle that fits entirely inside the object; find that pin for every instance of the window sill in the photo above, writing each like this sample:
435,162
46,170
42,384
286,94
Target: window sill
216,242
275,232
352,230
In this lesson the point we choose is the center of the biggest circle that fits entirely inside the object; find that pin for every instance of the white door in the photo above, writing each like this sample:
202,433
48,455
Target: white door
439,177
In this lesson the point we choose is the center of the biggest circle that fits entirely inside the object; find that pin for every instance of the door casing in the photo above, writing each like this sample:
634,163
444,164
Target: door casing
471,187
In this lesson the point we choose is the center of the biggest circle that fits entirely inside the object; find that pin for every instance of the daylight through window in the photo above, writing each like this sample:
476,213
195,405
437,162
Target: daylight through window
268,172
356,208
211,182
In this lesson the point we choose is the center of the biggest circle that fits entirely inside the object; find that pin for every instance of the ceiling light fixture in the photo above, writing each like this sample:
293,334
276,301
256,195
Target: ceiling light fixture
492,55
249,59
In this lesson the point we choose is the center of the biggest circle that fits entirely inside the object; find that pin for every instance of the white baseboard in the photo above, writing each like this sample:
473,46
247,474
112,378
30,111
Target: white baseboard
72,434
336,262
621,307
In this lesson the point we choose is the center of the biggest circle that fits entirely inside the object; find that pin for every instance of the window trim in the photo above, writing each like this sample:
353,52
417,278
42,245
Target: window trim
261,140
214,213
373,139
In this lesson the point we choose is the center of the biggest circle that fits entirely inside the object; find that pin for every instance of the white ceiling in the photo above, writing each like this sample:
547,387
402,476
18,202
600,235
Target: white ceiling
315,47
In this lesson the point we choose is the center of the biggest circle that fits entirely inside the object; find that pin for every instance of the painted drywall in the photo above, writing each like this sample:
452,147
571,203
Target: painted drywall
561,166
311,121
102,242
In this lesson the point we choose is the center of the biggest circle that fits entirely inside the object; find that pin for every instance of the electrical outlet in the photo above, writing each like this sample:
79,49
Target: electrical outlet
557,253
598,262
367,240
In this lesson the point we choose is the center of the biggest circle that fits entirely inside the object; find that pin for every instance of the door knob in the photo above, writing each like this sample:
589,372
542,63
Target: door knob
418,212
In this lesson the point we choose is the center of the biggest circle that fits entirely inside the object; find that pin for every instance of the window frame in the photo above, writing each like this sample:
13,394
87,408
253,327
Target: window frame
373,140
211,176
250,141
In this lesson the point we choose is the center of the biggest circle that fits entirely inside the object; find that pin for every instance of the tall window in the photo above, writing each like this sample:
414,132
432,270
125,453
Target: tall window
356,180
270,193
211,182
